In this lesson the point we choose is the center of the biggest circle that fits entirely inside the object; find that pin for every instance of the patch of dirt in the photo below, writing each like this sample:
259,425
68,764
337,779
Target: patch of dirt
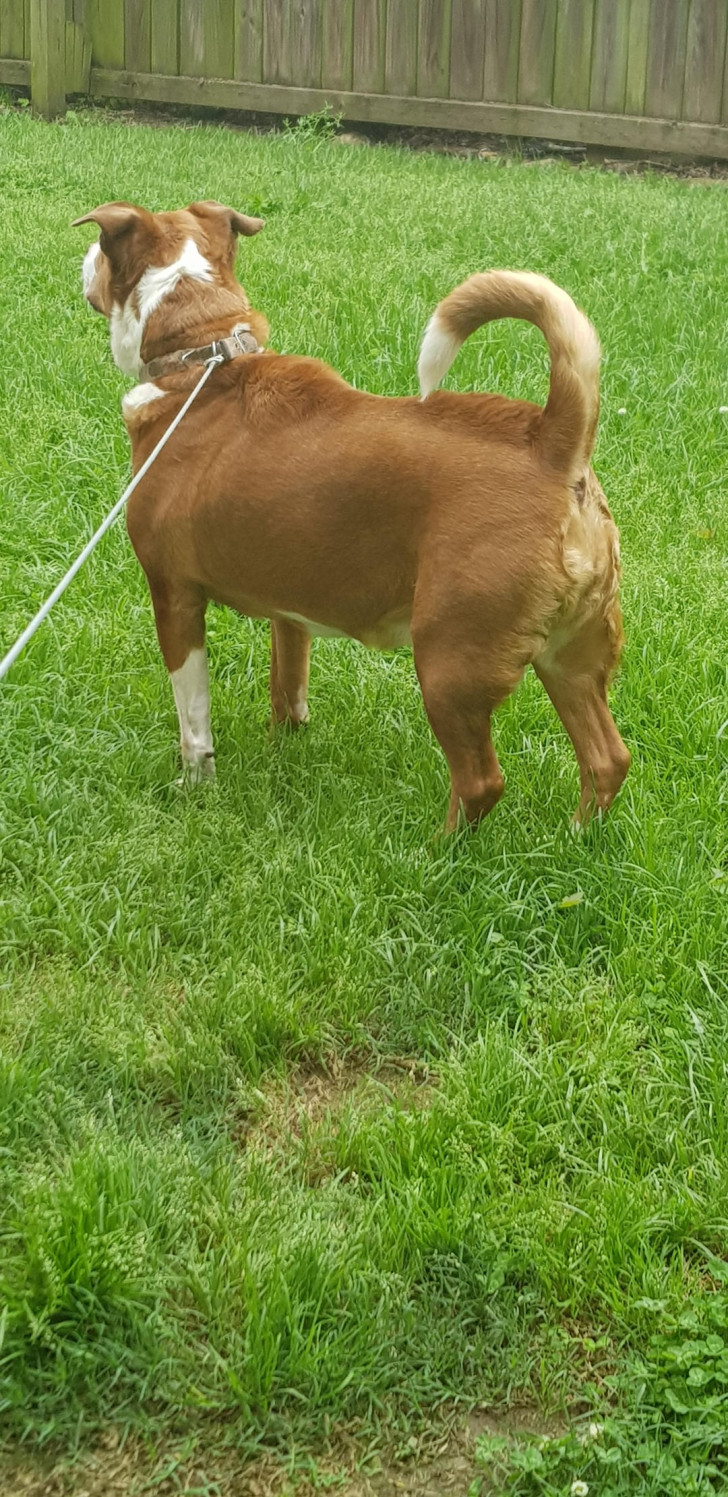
533,152
311,1099
439,1465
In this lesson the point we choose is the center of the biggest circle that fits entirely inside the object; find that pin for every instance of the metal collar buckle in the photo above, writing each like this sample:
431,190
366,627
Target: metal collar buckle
214,350
238,334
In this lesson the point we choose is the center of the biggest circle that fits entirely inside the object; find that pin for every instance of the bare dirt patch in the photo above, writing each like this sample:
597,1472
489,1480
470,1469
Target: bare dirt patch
312,1101
432,1467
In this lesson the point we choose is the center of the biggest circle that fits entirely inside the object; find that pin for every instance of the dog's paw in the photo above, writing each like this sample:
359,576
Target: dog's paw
198,771
287,724
585,818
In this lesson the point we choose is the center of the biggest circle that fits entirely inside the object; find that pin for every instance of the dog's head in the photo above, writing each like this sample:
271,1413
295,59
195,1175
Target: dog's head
142,259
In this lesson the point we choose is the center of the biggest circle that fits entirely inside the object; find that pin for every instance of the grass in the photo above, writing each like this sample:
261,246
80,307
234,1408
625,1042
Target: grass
537,1222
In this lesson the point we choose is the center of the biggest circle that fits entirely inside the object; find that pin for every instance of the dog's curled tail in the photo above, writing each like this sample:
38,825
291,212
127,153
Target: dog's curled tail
568,422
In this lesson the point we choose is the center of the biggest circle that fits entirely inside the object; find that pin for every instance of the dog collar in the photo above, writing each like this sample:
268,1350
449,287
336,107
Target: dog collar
241,340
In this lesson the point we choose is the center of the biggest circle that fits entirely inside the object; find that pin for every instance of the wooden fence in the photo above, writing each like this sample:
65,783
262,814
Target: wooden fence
650,75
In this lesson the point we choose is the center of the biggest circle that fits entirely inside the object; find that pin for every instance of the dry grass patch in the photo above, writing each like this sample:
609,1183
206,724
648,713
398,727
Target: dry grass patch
302,1114
442,1461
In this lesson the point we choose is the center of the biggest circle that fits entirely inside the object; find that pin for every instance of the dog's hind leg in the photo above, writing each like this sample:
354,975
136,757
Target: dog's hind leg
576,673
289,662
179,614
461,688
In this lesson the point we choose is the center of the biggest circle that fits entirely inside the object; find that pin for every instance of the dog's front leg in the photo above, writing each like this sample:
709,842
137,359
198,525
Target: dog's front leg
180,618
289,662
192,694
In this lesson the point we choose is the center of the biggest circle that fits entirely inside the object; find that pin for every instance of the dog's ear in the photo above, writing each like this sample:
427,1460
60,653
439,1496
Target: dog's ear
241,224
128,236
238,223
113,219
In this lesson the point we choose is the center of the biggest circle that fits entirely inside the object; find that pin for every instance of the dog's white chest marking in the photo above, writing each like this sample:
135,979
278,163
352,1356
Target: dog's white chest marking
139,396
128,321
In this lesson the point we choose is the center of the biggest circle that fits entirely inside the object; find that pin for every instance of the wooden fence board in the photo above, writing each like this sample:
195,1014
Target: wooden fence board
637,55
219,38
400,58
433,49
191,38
724,105
249,40
370,21
573,54
467,51
502,47
306,43
666,59
705,59
338,44
536,64
277,41
609,56
675,137
78,58
164,40
138,35
12,30
105,21
15,72
206,38
48,57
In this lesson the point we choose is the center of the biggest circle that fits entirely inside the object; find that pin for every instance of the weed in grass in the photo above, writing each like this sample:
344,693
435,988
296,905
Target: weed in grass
667,1430
169,963
311,129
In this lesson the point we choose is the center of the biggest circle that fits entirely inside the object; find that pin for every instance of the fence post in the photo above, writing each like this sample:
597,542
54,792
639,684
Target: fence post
48,57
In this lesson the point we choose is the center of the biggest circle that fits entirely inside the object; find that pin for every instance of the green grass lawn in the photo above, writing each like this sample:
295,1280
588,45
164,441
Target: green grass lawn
310,1121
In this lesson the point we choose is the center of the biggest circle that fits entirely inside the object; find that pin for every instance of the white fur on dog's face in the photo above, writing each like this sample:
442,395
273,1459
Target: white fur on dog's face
128,321
96,277
90,266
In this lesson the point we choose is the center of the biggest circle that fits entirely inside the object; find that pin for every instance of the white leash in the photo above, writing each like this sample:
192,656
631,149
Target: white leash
105,525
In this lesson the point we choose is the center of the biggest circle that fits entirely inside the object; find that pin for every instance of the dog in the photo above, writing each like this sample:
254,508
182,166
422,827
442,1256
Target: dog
469,526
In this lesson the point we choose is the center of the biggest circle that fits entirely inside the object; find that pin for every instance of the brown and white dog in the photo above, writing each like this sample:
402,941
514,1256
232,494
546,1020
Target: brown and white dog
470,526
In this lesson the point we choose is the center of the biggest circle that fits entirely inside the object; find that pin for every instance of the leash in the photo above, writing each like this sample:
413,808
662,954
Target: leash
59,590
